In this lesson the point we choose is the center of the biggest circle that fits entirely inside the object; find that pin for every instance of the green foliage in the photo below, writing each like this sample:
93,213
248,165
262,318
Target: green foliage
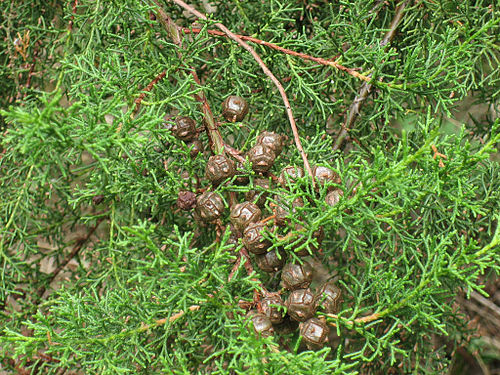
412,231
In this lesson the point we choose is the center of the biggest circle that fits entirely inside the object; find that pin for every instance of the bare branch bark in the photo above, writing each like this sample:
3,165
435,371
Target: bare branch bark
366,87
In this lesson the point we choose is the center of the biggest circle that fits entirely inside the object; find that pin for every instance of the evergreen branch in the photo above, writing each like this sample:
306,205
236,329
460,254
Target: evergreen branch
78,246
142,328
216,141
287,51
267,72
408,299
407,238
163,321
495,242
366,87
12,217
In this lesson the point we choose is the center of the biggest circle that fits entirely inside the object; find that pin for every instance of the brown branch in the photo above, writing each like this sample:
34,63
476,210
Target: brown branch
172,319
70,23
366,87
148,88
216,141
365,319
287,51
486,302
210,124
78,246
266,71
234,153
235,268
30,73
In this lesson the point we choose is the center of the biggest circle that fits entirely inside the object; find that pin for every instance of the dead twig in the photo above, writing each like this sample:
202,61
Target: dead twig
366,87
438,154
491,318
485,302
21,44
287,51
266,71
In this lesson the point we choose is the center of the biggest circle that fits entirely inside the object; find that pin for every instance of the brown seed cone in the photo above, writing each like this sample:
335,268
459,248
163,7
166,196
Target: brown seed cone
274,141
270,262
196,146
261,157
257,196
185,128
300,305
314,331
261,324
328,297
253,239
287,326
289,175
318,235
209,206
333,197
186,200
241,175
234,108
297,276
282,211
243,214
219,168
271,307
324,175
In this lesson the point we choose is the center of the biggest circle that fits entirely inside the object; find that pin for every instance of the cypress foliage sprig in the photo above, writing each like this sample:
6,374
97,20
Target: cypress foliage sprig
101,271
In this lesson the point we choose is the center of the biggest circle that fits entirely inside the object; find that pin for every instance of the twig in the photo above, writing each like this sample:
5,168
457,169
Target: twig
266,71
365,319
70,23
30,73
210,124
79,244
366,87
148,88
234,153
235,268
287,51
172,319
438,154
216,141
485,302
480,362
272,217
491,318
